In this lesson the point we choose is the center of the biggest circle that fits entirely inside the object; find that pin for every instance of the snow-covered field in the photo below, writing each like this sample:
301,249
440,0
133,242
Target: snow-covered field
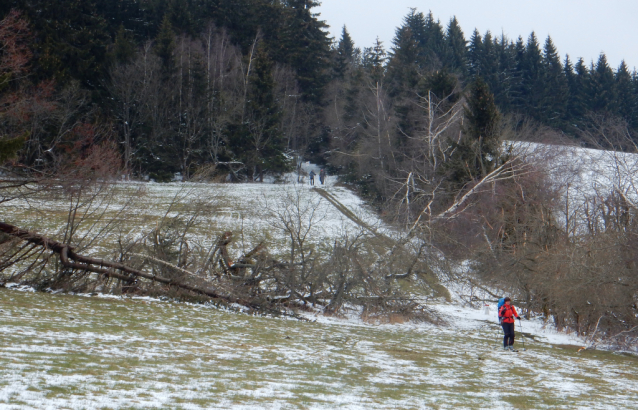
586,176
79,352
248,210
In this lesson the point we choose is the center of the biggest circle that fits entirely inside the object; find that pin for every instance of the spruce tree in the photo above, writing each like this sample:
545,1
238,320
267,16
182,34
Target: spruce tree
489,63
180,12
352,95
433,45
602,86
344,59
403,67
407,54
507,77
456,48
165,45
475,54
555,93
478,152
519,90
122,13
580,92
72,42
625,97
268,153
442,84
570,79
304,42
124,47
9,147
533,78
373,62
416,23
482,121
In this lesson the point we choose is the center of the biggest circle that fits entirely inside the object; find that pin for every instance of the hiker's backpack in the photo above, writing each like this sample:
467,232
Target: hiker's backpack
501,302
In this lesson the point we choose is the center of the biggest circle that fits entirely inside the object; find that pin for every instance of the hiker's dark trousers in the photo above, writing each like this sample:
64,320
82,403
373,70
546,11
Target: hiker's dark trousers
508,329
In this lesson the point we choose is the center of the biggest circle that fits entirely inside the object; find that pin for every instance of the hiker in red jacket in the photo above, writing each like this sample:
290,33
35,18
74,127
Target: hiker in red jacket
507,315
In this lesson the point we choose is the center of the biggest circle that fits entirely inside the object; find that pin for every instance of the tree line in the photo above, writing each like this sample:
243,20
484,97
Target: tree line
179,86
240,87
524,76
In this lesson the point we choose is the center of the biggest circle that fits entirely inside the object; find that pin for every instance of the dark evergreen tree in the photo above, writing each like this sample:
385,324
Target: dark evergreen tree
518,91
507,76
489,63
265,148
442,84
415,22
237,17
482,123
475,54
182,19
419,46
306,47
580,93
124,48
407,54
456,48
555,93
533,77
433,47
345,54
478,152
9,147
373,62
625,97
352,96
72,41
165,45
570,79
403,67
602,86
122,13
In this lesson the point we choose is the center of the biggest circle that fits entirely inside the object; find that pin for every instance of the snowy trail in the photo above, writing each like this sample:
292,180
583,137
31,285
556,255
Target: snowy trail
87,352
352,216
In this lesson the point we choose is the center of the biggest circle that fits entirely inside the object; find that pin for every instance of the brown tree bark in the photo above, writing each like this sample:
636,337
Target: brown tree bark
72,260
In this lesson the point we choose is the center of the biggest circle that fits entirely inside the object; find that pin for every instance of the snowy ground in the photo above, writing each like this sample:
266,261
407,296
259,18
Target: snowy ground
62,351
245,209
585,175
78,352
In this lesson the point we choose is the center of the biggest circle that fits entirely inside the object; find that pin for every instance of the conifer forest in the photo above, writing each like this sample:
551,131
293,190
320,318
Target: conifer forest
182,85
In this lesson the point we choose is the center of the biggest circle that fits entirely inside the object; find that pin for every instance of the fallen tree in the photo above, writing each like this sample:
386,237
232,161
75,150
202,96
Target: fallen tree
71,260
255,280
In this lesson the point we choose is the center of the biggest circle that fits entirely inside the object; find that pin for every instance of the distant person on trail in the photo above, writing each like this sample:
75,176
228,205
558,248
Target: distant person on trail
312,177
322,176
507,313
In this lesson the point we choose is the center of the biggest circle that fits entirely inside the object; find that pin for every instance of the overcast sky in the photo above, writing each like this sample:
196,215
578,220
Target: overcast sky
580,28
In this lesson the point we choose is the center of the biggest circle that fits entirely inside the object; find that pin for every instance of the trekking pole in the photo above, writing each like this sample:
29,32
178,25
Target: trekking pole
520,323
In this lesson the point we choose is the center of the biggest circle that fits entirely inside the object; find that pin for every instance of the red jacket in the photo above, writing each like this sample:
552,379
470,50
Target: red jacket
507,313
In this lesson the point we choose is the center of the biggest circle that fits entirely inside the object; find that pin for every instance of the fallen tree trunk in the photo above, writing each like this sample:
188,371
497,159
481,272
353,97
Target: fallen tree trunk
72,260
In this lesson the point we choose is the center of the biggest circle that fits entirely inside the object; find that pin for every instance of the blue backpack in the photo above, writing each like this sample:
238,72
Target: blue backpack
501,302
